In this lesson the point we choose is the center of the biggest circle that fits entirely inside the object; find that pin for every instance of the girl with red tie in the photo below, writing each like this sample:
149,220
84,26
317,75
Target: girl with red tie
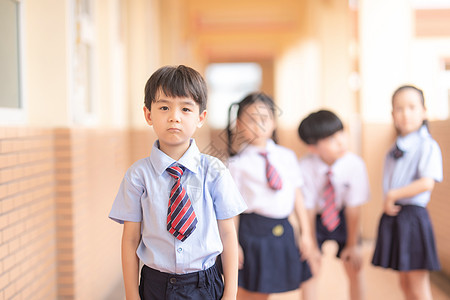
268,177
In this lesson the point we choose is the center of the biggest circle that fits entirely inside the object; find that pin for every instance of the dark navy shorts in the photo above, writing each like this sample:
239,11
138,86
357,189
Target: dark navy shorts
339,234
202,285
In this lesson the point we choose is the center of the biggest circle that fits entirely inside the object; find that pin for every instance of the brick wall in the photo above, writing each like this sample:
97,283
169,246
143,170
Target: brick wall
27,210
440,205
89,167
56,189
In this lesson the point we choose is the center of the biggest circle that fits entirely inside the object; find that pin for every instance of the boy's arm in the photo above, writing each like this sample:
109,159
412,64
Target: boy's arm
416,187
352,219
229,255
131,237
351,253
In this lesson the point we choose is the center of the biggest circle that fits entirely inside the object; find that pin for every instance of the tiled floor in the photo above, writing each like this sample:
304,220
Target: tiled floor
381,283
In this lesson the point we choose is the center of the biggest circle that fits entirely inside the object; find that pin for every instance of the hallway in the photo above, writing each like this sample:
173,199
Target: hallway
381,284
71,120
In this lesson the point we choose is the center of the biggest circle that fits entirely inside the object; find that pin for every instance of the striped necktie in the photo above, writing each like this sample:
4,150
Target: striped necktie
330,215
273,178
181,218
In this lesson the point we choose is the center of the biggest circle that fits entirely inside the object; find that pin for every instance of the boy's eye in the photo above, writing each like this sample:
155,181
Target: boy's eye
164,108
185,109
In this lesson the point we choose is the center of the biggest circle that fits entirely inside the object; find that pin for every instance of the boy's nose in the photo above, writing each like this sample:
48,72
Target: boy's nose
174,116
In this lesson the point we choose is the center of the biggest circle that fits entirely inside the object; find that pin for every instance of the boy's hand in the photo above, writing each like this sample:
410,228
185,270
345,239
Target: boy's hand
352,257
389,206
240,257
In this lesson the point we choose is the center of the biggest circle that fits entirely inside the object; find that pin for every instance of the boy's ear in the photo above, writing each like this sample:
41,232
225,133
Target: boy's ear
147,115
201,118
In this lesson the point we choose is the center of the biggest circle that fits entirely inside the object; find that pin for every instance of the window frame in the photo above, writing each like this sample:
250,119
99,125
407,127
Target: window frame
17,116
84,102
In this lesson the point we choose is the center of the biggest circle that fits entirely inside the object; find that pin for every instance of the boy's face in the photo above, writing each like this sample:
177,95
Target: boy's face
331,148
174,121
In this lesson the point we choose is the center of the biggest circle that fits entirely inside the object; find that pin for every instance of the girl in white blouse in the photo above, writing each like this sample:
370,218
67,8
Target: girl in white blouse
268,177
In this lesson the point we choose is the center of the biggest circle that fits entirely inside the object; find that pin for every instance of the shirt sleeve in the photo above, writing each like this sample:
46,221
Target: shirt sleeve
430,164
228,202
359,190
127,204
307,187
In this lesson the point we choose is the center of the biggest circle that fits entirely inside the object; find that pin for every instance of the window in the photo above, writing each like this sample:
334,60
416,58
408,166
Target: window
11,98
84,103
444,90
229,83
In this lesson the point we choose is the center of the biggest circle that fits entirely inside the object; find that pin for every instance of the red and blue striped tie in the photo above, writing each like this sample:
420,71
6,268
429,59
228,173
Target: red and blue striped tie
181,218
273,178
330,215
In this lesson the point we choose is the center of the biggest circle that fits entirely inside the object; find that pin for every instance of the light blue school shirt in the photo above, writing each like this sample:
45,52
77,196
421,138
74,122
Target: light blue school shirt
143,197
421,159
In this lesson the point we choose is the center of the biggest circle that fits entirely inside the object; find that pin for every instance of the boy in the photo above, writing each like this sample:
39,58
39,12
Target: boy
336,185
177,205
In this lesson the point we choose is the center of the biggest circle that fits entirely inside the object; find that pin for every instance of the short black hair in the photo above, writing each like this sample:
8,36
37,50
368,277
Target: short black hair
319,125
176,81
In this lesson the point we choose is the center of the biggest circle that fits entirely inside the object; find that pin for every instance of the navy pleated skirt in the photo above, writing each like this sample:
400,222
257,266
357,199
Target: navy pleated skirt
406,242
271,257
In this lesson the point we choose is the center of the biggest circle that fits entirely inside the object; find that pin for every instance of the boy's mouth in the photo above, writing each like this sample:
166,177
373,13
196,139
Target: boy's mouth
173,129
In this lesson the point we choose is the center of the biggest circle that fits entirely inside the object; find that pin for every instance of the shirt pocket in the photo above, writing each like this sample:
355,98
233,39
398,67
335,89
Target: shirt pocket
194,193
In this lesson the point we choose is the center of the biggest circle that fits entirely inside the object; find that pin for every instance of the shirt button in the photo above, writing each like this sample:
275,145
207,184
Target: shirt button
173,280
180,250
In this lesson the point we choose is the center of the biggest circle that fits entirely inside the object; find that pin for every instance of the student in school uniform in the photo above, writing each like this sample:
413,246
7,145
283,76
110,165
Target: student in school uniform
268,177
405,241
336,186
177,205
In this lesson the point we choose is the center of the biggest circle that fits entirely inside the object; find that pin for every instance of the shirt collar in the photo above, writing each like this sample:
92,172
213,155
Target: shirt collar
323,167
270,146
161,161
409,141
